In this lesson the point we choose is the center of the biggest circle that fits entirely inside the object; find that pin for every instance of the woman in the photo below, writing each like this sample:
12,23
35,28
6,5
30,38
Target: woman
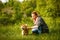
39,24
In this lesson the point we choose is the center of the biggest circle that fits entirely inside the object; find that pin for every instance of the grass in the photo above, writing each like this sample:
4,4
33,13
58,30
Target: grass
13,32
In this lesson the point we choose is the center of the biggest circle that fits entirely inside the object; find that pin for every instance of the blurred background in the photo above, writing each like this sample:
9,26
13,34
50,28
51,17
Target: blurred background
13,13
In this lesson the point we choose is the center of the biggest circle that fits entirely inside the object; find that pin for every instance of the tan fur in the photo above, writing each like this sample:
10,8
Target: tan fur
24,29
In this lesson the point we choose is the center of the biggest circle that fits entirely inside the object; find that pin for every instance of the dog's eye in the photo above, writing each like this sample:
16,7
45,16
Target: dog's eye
23,28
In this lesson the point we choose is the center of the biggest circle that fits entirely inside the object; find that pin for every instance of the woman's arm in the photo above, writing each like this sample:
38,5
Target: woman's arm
34,27
30,27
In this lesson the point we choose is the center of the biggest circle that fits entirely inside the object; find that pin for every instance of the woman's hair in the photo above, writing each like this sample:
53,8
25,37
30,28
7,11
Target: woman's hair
34,12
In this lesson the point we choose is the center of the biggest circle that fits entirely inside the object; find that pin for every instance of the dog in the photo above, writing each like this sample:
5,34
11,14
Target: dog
24,29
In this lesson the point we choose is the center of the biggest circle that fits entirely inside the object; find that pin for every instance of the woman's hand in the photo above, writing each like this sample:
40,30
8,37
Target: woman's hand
30,27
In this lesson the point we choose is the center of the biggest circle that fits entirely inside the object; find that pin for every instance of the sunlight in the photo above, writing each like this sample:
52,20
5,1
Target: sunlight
21,0
4,1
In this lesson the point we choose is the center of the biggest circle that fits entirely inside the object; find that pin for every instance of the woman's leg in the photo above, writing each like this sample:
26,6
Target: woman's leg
35,32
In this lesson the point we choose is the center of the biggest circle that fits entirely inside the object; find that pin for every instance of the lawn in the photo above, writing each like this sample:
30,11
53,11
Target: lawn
13,32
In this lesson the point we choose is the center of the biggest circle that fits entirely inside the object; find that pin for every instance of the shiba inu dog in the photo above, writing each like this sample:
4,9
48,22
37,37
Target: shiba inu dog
24,29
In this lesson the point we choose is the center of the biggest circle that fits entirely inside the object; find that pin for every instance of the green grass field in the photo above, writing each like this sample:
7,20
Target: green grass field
13,13
13,32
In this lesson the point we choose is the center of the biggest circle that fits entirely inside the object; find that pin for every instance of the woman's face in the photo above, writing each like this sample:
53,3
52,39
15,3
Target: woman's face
33,16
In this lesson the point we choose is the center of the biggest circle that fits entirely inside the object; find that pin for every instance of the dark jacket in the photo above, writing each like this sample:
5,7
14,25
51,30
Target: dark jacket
40,22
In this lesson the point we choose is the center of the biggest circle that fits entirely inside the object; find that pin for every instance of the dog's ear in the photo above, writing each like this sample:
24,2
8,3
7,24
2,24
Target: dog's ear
26,24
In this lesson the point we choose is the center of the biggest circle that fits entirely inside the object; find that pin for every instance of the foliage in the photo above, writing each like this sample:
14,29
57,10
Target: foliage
17,13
